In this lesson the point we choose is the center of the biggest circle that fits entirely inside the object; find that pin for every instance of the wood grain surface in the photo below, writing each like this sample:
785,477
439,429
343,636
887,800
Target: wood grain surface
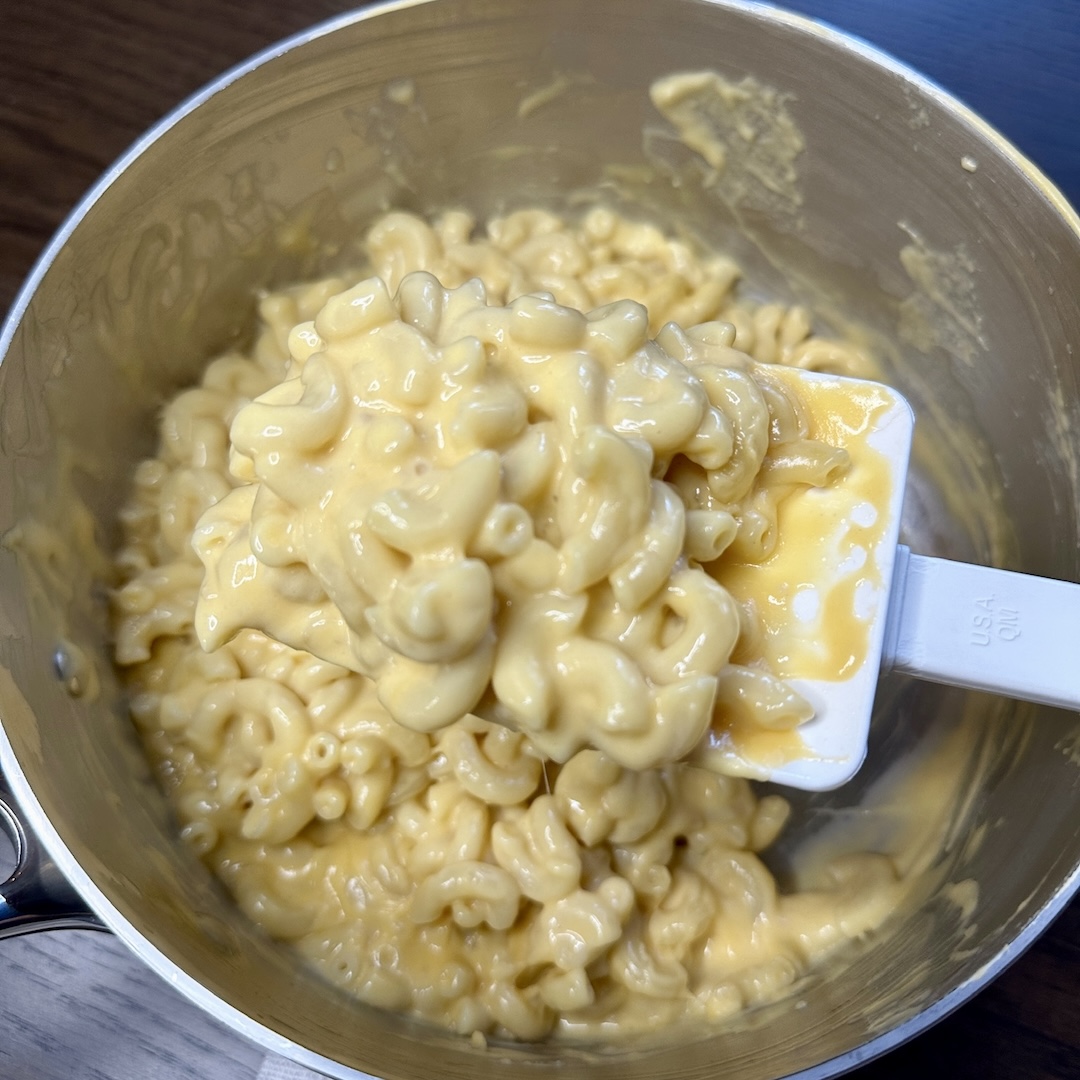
79,81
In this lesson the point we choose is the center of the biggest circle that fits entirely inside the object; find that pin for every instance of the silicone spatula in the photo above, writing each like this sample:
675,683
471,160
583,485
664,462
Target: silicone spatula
948,622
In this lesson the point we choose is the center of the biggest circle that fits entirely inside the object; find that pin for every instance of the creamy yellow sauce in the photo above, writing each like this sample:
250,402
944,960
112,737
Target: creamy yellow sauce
510,870
825,542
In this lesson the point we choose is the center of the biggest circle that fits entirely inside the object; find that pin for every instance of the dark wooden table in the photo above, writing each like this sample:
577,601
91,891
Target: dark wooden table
81,79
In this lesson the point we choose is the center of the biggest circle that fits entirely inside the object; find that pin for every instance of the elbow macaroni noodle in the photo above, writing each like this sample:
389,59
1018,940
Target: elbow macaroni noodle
453,540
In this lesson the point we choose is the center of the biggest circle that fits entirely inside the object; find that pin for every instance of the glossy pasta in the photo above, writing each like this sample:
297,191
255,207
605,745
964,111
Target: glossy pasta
463,523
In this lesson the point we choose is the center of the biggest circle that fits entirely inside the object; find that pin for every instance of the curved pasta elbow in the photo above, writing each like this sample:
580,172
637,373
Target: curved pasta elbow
426,697
807,462
285,714
473,892
683,916
656,551
538,851
400,242
282,803
655,399
309,423
498,769
633,965
695,625
604,499
600,799
581,926
437,612
166,597
713,444
709,533
598,689
681,714
441,512
737,396
748,696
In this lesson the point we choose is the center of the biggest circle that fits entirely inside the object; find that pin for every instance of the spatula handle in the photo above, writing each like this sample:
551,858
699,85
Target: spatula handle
965,625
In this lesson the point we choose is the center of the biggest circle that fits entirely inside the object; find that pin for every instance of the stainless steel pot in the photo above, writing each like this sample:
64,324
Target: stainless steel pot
915,219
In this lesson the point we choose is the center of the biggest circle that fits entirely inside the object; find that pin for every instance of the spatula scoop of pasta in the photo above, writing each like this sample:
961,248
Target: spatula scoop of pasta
538,518
861,604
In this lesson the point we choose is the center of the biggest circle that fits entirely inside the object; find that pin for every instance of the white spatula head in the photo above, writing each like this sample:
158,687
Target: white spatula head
823,596
841,601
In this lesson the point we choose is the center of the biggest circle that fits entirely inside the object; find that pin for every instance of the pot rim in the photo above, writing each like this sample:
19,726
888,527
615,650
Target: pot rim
34,817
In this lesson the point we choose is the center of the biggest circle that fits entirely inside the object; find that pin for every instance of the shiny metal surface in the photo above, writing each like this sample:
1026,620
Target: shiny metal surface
271,175
36,895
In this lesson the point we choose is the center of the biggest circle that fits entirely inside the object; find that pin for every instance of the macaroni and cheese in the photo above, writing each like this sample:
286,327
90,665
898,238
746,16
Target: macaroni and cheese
453,541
